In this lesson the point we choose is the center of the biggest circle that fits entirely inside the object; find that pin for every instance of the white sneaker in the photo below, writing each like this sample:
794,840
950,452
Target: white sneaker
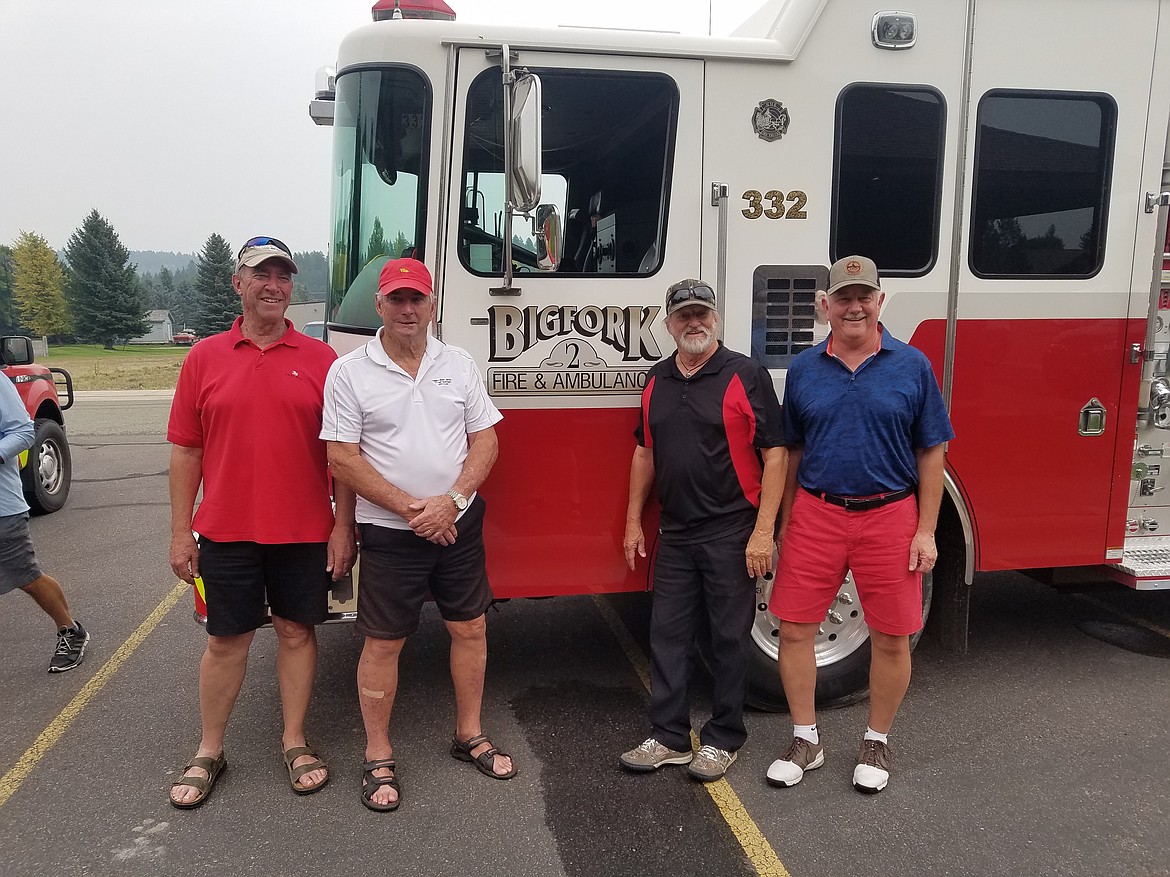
873,767
789,768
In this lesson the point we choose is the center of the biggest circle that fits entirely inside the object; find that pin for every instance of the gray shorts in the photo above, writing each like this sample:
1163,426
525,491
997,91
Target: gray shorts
18,560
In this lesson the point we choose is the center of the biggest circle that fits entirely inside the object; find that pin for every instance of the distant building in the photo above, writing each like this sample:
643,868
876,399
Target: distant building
303,312
161,328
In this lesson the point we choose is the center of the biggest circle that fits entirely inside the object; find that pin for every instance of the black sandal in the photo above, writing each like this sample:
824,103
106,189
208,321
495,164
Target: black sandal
485,761
371,784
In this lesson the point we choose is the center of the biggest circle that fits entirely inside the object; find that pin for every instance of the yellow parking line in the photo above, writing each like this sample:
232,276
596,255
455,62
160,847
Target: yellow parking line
48,738
1120,613
755,845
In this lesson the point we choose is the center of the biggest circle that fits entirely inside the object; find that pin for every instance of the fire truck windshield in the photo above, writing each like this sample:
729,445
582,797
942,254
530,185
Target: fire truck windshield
380,164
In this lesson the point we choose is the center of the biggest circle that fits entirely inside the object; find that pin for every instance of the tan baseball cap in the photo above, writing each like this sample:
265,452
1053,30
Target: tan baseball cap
853,271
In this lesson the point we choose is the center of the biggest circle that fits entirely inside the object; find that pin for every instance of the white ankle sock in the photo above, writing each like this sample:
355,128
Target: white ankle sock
808,732
871,734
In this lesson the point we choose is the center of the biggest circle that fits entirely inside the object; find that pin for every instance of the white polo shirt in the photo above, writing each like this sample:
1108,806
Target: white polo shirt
412,431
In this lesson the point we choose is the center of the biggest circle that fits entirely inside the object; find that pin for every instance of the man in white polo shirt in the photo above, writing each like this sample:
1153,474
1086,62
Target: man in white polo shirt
410,430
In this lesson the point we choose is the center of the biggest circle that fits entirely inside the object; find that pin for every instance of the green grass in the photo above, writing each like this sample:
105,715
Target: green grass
141,367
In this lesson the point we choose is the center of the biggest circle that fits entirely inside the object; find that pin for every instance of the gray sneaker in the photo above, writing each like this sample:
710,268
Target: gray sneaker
650,754
70,651
711,764
789,768
873,767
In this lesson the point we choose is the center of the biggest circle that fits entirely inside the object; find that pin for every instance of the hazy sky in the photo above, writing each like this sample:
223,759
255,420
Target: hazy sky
178,119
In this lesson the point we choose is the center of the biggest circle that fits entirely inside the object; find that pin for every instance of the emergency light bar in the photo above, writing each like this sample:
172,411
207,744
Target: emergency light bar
435,10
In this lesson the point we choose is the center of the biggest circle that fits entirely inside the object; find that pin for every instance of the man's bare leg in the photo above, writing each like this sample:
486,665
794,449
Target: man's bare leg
296,665
889,678
798,670
377,679
468,665
221,675
50,596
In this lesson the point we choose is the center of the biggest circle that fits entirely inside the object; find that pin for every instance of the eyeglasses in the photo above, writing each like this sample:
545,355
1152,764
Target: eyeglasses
264,242
690,292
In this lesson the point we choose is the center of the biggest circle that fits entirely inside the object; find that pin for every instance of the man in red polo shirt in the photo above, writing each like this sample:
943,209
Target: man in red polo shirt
244,424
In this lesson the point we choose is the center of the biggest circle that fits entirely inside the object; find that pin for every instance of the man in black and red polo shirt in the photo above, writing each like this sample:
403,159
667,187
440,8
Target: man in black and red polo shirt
710,435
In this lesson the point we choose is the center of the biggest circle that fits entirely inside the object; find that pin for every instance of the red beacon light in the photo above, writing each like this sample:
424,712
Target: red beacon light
435,10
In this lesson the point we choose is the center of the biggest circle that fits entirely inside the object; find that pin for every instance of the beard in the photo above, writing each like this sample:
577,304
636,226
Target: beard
695,345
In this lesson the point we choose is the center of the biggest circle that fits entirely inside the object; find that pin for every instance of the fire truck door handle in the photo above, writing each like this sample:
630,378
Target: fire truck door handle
1154,200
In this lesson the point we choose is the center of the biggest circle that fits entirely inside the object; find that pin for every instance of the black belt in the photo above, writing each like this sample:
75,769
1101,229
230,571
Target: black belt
861,503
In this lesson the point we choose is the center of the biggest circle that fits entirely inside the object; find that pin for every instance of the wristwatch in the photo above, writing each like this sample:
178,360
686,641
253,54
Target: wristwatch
459,499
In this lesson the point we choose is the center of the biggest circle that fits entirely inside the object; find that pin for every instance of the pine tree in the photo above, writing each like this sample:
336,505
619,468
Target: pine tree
377,243
38,286
217,303
9,316
102,285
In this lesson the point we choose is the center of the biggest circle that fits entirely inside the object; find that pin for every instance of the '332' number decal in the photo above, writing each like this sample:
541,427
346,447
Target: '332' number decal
775,200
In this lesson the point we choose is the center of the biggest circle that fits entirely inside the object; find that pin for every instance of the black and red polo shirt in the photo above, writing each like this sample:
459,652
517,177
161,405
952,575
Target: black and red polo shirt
705,432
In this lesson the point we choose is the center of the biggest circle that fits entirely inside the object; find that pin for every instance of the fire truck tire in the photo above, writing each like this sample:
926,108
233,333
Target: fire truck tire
842,649
49,472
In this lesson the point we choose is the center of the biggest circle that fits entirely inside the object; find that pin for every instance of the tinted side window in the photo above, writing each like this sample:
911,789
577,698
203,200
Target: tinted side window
887,180
1042,167
608,145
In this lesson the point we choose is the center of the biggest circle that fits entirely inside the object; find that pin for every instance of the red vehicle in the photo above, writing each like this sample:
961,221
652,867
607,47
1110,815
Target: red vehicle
46,468
185,338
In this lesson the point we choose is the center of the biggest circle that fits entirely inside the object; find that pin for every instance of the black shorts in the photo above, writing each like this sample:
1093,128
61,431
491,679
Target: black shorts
240,578
398,568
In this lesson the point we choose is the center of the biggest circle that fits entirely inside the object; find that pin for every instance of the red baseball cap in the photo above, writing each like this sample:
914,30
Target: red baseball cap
404,274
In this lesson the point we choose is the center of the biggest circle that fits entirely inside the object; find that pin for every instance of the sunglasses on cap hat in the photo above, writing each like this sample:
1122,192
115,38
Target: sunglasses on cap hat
684,292
263,242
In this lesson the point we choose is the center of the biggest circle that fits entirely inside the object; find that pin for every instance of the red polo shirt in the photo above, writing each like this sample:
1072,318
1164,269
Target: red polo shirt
257,414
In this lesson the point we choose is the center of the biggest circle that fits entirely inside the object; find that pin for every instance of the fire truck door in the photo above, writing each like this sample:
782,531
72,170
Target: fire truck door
623,171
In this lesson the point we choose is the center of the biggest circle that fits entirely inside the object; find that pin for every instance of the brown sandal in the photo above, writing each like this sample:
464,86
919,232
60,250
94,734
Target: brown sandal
485,761
371,784
213,766
295,773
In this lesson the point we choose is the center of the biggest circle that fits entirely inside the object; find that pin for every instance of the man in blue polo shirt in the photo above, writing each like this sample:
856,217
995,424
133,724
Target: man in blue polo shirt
866,426
710,436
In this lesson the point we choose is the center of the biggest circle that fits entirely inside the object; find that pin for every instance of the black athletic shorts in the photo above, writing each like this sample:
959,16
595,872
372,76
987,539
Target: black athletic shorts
399,568
240,578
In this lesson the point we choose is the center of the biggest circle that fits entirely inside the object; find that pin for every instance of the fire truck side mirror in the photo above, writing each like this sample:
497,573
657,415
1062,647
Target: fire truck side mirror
550,238
525,145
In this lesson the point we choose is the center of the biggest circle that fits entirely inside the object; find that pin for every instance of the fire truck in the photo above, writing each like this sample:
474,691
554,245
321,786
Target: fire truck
1004,166
46,469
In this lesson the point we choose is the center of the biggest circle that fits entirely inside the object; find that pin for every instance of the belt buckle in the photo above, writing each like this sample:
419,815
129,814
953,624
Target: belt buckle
851,502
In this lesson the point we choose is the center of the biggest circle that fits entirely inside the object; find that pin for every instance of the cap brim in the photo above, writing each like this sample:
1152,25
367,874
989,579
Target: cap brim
407,283
837,287
670,309
255,260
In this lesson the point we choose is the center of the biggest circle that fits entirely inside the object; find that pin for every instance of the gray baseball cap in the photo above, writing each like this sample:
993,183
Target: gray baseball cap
853,271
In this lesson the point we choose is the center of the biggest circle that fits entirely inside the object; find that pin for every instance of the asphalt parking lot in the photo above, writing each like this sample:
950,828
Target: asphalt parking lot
1040,752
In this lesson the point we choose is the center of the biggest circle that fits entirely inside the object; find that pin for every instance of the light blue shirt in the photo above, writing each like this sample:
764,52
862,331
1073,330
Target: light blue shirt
16,435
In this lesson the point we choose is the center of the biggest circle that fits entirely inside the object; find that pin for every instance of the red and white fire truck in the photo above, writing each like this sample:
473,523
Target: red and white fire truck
46,469
1004,163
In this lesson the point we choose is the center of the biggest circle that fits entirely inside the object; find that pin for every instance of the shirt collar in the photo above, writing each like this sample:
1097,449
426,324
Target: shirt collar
290,338
885,341
378,354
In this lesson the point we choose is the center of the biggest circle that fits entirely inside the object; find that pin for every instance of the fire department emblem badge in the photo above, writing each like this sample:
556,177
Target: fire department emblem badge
770,120
853,268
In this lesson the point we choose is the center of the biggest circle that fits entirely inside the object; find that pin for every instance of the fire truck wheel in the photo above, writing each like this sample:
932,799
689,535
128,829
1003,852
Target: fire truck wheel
842,649
49,471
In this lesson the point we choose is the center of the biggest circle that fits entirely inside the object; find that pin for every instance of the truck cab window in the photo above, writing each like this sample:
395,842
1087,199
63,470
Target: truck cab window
380,161
887,176
1042,168
608,144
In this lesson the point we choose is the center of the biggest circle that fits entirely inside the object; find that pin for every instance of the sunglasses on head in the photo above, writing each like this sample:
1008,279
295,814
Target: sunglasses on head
264,242
699,292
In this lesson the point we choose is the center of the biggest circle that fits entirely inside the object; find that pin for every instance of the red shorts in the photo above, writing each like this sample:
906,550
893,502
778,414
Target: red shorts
823,541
